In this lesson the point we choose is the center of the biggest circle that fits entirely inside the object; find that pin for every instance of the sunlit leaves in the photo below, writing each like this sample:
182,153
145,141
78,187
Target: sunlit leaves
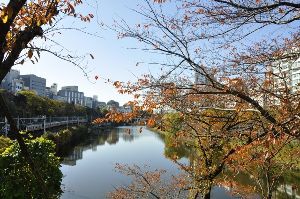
6,13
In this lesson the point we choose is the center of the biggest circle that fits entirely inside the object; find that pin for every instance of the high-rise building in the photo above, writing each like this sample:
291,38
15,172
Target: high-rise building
88,101
53,88
35,83
286,73
72,95
12,82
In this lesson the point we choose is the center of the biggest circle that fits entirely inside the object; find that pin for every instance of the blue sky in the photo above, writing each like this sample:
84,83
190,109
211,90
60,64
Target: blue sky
113,59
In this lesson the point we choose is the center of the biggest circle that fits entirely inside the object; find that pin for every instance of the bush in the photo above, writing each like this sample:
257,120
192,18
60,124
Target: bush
4,143
16,178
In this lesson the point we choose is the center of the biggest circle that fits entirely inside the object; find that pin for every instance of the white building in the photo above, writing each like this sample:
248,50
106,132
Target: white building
17,85
287,72
12,82
53,88
72,95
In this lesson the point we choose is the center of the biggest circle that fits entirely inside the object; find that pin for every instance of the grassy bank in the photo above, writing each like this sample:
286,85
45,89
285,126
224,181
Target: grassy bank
156,130
69,136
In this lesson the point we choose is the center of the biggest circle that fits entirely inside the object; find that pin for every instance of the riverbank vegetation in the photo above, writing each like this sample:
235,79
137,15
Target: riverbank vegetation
17,179
29,104
66,137
15,170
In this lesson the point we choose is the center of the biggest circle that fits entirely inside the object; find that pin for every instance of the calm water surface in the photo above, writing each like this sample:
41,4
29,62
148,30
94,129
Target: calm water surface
89,172
89,168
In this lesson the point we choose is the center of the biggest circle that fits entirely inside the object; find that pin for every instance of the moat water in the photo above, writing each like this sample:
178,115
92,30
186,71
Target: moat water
89,168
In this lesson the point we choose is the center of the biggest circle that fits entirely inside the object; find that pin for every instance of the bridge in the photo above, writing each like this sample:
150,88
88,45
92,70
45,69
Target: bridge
40,123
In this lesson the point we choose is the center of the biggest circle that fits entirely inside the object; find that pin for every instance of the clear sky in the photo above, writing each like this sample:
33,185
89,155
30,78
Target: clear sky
113,59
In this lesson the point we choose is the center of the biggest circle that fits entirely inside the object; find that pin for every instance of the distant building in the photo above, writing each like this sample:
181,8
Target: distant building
16,85
59,98
100,105
125,109
111,104
35,83
88,101
72,95
12,82
287,72
49,93
53,88
95,97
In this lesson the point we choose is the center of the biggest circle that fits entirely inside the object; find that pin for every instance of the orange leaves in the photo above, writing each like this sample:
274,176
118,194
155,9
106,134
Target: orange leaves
200,11
117,84
151,122
30,54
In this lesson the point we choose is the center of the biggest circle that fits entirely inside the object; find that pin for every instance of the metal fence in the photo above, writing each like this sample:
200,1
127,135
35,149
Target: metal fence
40,123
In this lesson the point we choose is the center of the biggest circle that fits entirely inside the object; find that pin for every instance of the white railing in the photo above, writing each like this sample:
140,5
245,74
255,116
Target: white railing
40,123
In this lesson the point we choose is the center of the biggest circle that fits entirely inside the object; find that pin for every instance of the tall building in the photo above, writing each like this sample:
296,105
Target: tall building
95,97
16,85
53,88
88,101
72,95
12,82
112,105
287,72
35,83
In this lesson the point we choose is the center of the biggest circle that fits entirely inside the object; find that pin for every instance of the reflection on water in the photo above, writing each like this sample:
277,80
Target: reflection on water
89,167
100,137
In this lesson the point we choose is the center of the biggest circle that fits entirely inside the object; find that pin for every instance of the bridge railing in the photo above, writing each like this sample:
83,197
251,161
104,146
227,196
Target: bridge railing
40,123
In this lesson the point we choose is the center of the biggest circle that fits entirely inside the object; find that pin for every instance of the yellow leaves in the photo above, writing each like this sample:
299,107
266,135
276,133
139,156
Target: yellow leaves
6,14
4,18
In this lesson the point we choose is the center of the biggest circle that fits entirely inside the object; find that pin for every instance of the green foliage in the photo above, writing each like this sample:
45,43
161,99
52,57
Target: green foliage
4,143
16,178
67,136
31,104
172,122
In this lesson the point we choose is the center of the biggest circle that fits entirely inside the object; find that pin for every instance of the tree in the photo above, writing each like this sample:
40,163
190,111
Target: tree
21,22
241,97
198,41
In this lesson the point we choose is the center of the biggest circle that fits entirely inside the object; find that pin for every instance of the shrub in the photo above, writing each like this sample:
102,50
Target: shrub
16,178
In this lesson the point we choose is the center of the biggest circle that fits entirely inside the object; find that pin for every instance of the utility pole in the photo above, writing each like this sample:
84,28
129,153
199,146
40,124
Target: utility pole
44,124
6,126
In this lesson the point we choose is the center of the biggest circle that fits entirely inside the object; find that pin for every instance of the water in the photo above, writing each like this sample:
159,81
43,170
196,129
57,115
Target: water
89,168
